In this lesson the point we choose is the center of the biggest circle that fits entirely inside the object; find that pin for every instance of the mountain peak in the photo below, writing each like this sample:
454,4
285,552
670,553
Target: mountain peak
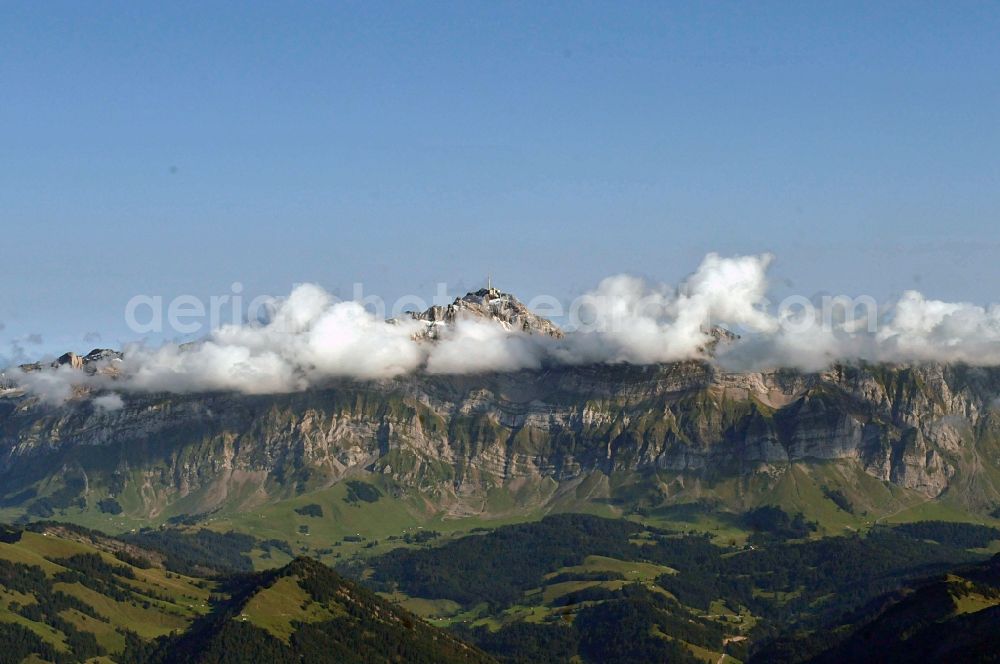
490,304
98,361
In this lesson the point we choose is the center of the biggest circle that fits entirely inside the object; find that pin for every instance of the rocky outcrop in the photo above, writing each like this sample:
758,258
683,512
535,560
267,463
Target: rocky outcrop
99,360
489,304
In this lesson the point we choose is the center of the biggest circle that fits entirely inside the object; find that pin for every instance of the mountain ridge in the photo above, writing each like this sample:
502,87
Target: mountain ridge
620,438
930,430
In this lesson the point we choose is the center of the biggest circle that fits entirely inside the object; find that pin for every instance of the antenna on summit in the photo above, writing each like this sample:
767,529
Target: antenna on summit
489,282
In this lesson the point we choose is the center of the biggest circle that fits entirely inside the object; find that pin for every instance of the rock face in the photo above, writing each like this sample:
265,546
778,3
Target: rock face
931,430
99,360
493,305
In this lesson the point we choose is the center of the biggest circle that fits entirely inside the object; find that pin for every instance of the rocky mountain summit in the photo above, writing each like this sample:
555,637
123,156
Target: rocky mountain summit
99,360
489,304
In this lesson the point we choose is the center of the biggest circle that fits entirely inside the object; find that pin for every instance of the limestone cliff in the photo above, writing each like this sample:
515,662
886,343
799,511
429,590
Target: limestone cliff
932,429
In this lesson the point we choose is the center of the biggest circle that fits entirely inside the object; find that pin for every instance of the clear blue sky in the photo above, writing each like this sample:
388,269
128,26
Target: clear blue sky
171,148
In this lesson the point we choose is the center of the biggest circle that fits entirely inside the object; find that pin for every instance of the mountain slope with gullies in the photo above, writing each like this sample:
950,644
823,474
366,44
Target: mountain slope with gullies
616,437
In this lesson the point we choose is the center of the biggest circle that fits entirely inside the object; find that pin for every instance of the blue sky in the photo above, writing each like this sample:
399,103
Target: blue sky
176,148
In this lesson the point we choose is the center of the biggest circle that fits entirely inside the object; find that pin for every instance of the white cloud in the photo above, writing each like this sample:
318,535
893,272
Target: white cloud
312,337
477,347
108,402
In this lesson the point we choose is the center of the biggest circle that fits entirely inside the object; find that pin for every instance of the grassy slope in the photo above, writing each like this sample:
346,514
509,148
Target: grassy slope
277,607
162,602
396,513
173,600
798,488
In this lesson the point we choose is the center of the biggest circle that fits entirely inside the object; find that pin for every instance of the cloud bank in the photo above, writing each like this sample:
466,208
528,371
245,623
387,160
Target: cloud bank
312,337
